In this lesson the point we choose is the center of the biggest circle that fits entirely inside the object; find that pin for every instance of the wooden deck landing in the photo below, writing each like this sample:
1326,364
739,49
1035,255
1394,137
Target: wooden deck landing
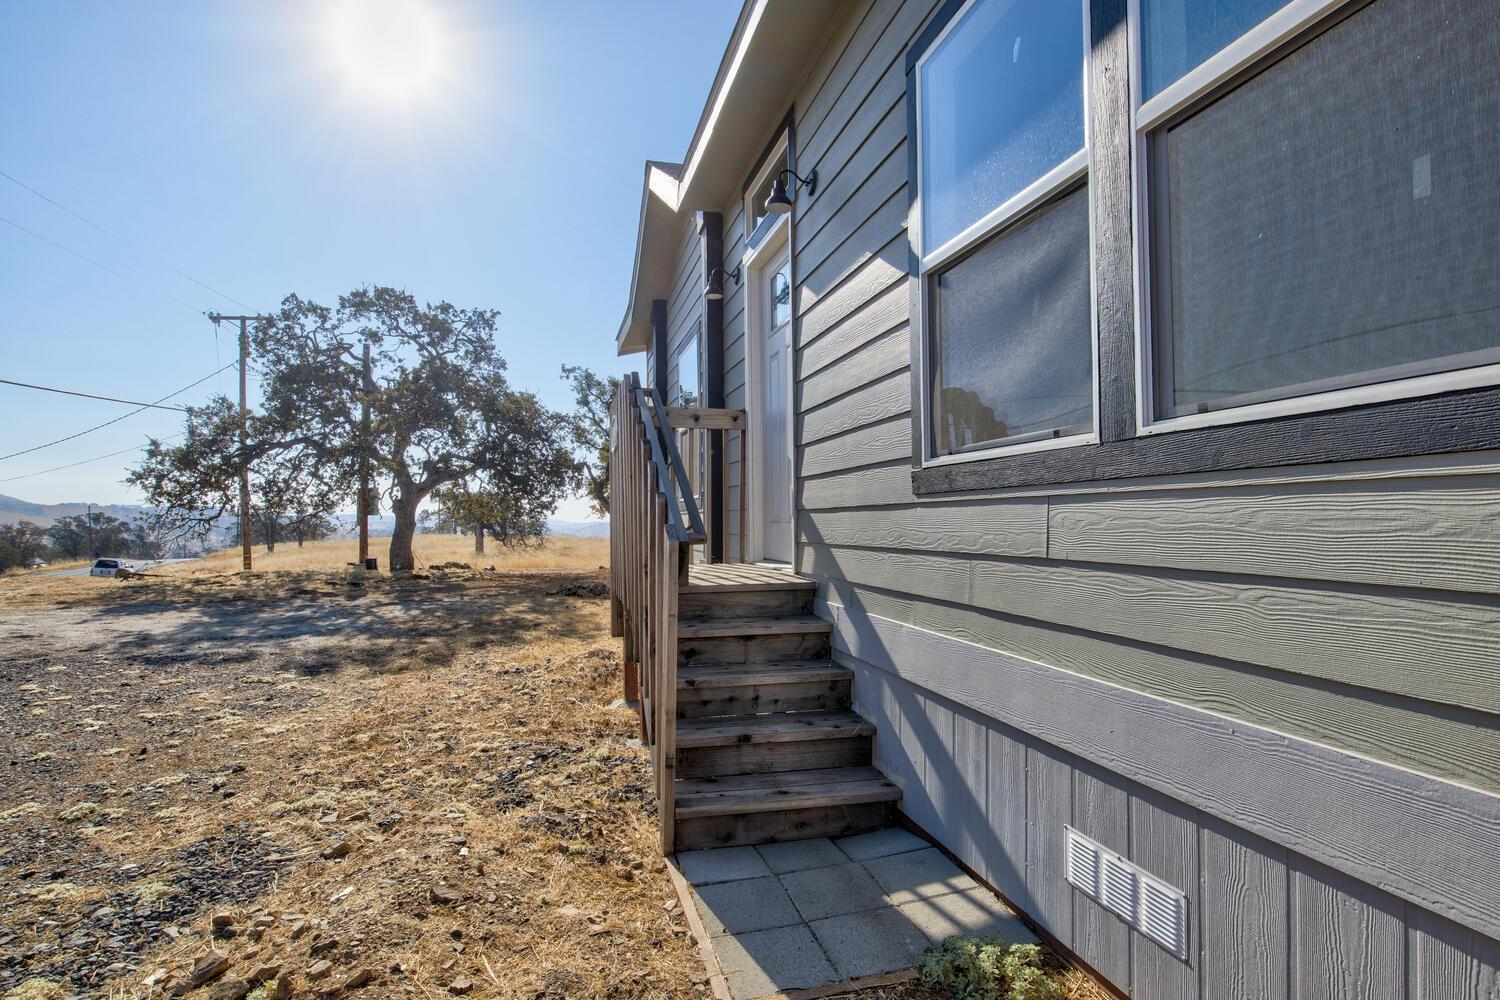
704,578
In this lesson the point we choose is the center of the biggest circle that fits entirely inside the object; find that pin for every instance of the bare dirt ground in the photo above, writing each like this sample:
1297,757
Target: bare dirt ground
186,746
337,782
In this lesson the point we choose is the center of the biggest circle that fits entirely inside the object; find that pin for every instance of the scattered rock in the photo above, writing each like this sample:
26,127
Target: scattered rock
441,895
208,968
232,989
319,969
335,851
358,978
583,588
460,986
223,919
264,973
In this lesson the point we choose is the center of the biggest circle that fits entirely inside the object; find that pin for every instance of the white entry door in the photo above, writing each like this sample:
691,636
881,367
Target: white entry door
775,423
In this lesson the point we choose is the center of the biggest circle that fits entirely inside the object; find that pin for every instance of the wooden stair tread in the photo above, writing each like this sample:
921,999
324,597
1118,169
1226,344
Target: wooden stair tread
724,627
729,579
745,674
777,792
783,727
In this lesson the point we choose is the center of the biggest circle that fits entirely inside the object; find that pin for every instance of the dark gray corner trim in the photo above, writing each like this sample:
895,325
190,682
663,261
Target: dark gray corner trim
660,362
913,265
1110,143
711,229
935,25
1426,840
1453,422
789,127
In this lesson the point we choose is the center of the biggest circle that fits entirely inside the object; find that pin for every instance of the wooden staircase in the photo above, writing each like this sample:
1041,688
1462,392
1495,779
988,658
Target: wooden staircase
767,748
745,715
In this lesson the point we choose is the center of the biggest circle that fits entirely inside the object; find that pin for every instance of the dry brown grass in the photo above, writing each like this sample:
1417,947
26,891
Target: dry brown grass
560,552
289,568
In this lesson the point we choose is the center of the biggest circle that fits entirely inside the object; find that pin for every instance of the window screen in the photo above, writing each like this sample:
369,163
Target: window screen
1180,35
1001,105
1333,221
1013,341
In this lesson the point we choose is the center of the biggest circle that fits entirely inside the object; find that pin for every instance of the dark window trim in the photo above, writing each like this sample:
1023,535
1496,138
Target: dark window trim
787,128
1452,422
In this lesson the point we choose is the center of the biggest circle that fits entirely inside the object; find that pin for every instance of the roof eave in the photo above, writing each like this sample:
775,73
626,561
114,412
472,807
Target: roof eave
772,45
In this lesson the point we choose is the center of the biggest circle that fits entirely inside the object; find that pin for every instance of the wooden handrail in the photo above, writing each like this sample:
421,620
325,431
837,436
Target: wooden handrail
669,444
707,418
662,467
655,520
649,548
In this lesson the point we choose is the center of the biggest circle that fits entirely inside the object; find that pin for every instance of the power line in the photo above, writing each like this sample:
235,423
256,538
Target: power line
116,420
104,267
86,461
120,239
90,395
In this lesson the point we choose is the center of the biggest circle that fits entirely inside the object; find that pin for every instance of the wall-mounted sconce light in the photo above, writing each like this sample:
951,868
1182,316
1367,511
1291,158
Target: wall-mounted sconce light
779,203
714,290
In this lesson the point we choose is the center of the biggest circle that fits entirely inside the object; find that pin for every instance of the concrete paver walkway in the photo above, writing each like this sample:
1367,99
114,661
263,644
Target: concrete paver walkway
810,913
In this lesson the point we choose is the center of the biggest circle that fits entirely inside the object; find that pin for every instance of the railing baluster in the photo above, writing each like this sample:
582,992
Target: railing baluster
656,517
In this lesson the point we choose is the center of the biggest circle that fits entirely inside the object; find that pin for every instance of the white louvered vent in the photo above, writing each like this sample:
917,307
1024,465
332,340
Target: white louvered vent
1139,898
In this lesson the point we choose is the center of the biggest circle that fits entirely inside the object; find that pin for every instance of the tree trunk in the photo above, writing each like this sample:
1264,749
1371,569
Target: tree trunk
479,539
405,512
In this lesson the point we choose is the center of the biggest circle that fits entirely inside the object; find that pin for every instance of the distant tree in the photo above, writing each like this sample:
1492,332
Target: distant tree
305,527
21,544
88,536
441,411
511,517
588,426
193,486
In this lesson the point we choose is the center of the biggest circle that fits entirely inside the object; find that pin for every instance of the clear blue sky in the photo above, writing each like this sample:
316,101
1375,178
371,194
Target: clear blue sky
499,166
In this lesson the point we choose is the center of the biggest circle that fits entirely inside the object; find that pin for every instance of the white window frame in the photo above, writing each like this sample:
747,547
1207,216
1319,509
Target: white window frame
1292,21
775,162
1059,180
695,339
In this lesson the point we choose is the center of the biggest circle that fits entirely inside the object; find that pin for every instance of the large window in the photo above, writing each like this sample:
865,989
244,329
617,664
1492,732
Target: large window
1179,35
1326,222
689,369
1004,227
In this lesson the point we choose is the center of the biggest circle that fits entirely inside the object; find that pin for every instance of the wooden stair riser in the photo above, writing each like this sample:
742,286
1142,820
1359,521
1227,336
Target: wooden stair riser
746,604
764,758
717,701
773,827
700,651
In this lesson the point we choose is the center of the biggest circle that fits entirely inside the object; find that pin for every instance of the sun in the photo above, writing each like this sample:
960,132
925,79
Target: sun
390,51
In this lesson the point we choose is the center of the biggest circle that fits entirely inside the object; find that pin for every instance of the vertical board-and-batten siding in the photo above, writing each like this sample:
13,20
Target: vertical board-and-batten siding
1353,608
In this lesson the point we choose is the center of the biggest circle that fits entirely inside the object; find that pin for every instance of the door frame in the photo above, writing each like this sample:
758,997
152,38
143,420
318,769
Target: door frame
757,310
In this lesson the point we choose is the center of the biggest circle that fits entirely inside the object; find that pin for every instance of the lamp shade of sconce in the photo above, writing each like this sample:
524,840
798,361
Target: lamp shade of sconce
780,203
714,290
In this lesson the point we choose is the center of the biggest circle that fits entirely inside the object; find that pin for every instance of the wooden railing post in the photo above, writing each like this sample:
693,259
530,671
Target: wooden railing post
655,520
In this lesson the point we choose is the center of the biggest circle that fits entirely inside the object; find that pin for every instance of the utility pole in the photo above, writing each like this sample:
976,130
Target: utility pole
244,411
364,462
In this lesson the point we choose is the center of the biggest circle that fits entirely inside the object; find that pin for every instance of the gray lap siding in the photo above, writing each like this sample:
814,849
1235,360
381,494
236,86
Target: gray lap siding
1349,610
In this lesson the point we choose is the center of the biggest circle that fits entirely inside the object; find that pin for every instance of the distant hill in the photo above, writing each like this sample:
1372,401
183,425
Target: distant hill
47,514
588,529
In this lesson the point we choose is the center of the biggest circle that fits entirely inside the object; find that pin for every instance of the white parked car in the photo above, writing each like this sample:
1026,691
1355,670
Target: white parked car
108,567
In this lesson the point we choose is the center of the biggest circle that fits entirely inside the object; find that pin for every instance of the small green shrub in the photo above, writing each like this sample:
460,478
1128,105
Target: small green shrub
989,969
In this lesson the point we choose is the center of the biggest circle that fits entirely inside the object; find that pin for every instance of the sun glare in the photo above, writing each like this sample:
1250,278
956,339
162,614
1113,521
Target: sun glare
391,51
